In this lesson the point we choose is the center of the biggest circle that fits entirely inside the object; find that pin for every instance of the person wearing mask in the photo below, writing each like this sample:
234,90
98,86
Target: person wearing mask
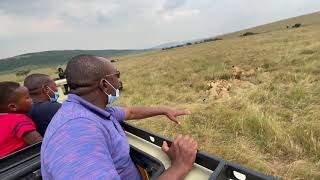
85,139
44,93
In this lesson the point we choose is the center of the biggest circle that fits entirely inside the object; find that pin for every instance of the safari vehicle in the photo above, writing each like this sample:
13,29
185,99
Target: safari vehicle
145,151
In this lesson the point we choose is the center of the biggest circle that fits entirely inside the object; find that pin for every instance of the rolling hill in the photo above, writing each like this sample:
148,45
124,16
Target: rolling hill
305,20
53,58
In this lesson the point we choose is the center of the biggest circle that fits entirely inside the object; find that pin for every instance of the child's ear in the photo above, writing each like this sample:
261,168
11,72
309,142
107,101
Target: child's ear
12,107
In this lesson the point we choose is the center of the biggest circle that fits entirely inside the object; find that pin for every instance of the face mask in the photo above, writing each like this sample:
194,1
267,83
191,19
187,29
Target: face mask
55,96
110,98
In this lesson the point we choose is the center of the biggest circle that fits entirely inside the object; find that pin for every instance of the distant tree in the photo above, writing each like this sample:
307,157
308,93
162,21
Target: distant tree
248,34
207,40
217,39
297,25
211,39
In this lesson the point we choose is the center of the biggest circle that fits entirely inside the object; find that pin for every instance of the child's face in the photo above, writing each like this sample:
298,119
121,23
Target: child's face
23,102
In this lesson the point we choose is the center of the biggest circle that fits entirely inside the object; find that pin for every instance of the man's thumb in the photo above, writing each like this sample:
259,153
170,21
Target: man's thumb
165,147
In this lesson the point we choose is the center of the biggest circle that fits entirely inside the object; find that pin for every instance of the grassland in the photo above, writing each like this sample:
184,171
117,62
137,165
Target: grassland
272,126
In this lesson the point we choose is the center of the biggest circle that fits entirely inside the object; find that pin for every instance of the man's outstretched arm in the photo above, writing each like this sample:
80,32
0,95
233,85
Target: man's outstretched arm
145,112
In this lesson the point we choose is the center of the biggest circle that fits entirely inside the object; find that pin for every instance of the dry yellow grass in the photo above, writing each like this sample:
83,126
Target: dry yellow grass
272,127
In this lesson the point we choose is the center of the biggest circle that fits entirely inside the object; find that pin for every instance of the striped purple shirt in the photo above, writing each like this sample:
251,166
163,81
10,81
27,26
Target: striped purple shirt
83,141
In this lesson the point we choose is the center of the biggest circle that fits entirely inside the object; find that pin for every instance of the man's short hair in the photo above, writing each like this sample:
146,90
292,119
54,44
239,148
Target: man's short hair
84,70
36,81
7,89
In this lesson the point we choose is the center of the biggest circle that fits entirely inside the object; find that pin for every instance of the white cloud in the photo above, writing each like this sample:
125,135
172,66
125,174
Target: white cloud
173,4
178,14
13,26
28,26
87,11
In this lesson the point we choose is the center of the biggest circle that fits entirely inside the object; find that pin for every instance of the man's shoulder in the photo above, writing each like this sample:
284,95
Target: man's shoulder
64,132
117,111
70,123
112,109
43,108
71,115
47,104
71,110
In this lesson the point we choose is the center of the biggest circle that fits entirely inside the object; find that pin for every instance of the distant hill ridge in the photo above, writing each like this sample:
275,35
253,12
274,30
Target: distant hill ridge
52,58
305,20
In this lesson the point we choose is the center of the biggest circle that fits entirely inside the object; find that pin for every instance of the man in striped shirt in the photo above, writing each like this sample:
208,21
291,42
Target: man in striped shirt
85,140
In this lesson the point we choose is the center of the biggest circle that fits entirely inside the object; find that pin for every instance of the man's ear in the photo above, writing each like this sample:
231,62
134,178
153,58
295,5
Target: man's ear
12,107
103,85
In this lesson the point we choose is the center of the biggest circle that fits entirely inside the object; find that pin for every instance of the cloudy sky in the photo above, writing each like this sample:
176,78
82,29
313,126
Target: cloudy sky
39,25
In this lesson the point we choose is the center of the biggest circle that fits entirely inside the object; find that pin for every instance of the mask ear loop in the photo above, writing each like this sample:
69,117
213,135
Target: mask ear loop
104,90
47,87
110,85
107,93
50,89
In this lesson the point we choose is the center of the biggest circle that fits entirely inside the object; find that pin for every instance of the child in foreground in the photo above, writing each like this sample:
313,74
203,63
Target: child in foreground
16,129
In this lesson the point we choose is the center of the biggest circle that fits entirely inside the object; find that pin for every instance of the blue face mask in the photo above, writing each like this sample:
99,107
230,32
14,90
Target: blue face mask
110,98
55,96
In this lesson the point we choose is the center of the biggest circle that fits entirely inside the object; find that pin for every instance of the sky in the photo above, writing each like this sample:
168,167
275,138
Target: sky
41,25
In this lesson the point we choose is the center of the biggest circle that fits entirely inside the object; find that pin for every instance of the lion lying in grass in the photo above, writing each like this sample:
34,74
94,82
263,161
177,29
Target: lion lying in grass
237,72
218,89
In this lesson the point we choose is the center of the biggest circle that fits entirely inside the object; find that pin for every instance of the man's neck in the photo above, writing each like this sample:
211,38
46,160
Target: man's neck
91,95
93,99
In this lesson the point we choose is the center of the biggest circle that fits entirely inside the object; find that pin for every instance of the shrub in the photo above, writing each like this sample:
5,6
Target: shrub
248,34
23,73
297,25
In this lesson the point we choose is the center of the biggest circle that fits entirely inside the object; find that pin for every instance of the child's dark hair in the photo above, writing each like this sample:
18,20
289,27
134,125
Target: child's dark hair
7,89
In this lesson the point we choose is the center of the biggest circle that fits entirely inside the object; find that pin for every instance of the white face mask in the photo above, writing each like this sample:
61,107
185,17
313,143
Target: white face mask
55,97
110,98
